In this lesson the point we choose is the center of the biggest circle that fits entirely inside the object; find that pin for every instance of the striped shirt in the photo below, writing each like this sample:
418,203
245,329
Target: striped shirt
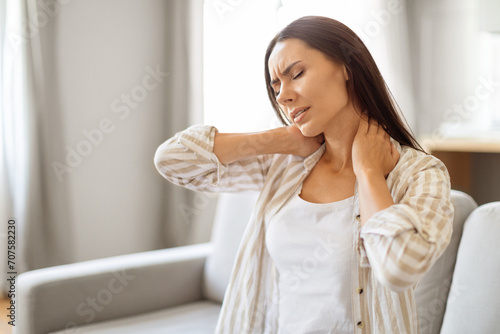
391,252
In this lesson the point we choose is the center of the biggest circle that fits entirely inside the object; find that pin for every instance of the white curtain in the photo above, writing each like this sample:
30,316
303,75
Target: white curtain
25,135
188,214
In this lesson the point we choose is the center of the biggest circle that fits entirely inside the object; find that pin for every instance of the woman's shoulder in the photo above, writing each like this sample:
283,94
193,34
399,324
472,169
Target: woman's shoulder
413,161
420,172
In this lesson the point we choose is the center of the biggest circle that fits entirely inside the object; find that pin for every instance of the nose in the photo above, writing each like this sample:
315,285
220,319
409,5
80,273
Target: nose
286,95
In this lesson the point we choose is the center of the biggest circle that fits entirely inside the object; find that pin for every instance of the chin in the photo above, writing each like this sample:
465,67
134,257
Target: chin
309,132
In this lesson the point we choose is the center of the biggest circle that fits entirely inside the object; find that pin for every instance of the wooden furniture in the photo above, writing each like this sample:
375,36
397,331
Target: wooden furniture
473,164
5,328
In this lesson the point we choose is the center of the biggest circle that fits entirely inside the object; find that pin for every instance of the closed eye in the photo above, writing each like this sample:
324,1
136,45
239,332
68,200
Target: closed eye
295,77
298,75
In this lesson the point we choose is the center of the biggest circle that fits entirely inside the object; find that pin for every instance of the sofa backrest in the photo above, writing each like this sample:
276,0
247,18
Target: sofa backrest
432,290
473,305
231,217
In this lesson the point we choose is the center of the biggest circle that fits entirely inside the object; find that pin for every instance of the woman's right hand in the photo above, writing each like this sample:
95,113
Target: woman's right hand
301,145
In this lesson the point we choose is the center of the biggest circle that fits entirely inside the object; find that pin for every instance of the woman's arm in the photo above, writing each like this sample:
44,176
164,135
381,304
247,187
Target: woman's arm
402,242
230,147
374,157
374,195
405,230
200,158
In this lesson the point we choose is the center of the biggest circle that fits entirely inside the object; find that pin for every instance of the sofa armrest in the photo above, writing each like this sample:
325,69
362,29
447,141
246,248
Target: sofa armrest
68,296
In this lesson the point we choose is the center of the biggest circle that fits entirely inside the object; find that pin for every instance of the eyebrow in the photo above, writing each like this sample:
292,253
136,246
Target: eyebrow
286,71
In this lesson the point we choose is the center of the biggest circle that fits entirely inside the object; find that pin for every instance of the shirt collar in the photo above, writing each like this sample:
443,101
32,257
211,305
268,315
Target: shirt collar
311,160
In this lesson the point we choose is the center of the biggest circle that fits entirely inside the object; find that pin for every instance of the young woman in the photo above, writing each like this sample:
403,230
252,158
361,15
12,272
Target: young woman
352,212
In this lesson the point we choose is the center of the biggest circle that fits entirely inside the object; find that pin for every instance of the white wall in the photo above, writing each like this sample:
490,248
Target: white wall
447,62
100,50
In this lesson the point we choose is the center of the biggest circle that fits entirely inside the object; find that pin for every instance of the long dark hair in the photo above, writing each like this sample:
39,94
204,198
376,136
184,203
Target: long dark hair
365,86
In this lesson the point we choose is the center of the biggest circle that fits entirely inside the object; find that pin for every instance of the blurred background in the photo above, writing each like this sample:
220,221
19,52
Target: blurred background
90,88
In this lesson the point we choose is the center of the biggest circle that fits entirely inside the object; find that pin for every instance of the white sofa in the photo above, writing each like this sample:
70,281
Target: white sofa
179,290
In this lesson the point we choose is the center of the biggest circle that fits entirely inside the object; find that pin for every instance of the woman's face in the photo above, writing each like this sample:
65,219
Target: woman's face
304,78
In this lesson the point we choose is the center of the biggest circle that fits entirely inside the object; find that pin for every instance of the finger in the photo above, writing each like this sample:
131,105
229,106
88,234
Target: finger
394,151
363,126
373,126
320,138
364,116
396,157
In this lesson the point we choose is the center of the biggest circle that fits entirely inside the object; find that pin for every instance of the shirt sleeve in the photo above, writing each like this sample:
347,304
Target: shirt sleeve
187,160
402,242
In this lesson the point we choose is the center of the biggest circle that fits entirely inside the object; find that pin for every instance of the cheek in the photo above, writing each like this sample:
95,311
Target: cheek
338,92
332,88
329,91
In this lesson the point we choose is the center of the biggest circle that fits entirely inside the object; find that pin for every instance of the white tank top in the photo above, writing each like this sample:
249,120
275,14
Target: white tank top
311,246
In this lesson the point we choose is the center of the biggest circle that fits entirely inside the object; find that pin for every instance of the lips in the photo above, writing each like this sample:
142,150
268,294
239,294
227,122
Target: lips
298,111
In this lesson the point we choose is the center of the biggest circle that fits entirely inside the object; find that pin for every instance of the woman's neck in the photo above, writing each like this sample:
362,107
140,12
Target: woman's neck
339,138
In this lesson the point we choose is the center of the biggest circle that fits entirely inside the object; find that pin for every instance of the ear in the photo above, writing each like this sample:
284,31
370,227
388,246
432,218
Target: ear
346,76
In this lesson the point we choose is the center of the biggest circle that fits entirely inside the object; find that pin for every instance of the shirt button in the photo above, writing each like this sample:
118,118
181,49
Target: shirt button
359,290
358,218
361,324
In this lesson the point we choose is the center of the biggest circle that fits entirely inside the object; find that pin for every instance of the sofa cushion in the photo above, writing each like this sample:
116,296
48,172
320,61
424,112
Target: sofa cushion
200,317
474,301
232,215
432,291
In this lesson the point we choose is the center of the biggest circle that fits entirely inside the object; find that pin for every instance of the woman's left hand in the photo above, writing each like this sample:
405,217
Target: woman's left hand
372,150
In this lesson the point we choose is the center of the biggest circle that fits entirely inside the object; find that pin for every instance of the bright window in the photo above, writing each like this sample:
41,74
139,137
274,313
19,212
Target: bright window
236,35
